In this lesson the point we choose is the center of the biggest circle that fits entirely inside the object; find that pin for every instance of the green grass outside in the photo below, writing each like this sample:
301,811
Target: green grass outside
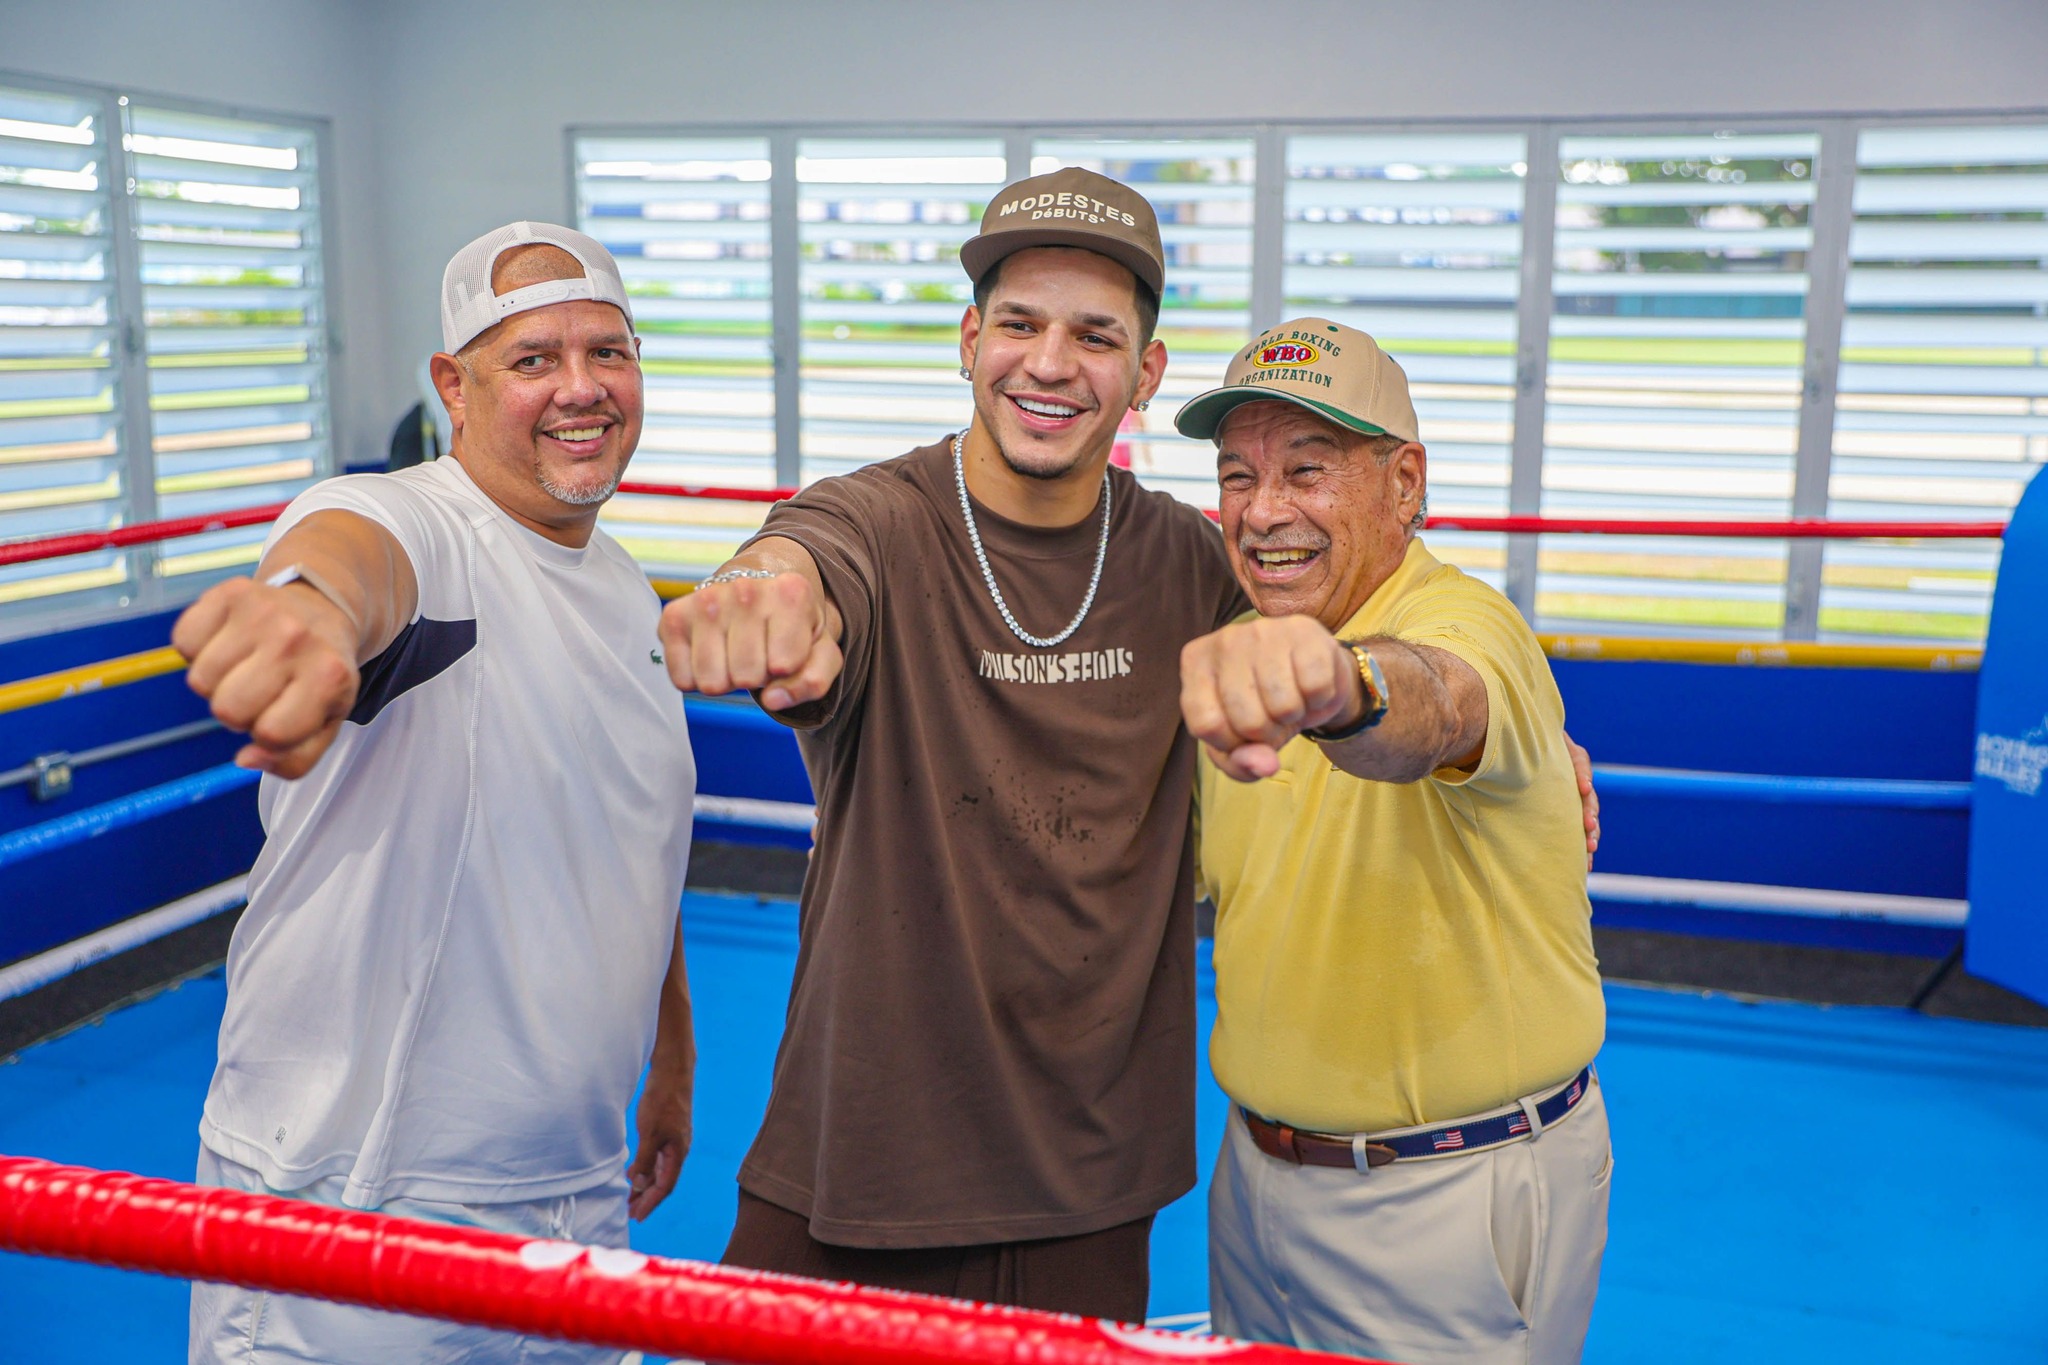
1756,351
1915,625
200,360
1445,346
1944,355
708,327
714,369
103,401
193,360
1950,626
1668,611
230,398
41,363
1739,351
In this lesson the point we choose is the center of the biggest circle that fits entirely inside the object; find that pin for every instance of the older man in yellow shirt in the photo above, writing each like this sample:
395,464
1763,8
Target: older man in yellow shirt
1408,1005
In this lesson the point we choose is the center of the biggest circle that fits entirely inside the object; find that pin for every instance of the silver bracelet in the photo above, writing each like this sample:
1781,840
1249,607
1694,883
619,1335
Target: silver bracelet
730,574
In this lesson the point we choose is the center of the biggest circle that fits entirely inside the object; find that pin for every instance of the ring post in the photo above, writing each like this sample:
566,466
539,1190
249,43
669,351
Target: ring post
2007,938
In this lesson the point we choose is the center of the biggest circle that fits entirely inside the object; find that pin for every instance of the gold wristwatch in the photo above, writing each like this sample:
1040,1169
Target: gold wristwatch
1375,684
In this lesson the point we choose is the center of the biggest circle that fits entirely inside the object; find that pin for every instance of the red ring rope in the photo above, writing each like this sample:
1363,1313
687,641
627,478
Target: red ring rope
1793,528
618,1299
142,533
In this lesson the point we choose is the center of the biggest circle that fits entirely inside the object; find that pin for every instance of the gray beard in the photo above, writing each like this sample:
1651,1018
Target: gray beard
578,497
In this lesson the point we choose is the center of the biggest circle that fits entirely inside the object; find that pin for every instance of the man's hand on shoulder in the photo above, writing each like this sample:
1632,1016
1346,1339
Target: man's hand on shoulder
776,635
1252,686
1589,800
278,664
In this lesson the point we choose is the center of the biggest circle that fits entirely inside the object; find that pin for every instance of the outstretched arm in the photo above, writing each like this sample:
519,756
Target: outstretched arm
1249,688
779,635
280,663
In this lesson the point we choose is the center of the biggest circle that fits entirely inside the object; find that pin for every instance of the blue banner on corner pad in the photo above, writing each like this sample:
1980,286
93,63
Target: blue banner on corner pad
2007,940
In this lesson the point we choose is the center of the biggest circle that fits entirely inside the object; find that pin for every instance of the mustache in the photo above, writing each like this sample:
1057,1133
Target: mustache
1250,544
1081,401
605,408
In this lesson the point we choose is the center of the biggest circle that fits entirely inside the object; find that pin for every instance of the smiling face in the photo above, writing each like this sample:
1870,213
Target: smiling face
546,405
1058,357
1314,517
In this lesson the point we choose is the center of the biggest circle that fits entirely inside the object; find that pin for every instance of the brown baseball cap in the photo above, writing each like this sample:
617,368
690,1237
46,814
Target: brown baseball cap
1334,371
1070,207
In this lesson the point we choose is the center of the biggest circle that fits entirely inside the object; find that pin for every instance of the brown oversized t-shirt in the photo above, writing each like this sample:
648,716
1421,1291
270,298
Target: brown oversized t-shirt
991,1034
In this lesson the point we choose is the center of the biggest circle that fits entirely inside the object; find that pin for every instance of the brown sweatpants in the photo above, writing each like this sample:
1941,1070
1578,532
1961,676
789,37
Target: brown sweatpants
1106,1274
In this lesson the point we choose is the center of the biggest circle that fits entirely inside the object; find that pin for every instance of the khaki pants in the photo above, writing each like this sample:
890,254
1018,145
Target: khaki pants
1491,1256
254,1327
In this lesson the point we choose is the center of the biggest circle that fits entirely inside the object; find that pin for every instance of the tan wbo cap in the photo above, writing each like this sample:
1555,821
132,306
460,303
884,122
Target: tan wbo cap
1334,371
1070,207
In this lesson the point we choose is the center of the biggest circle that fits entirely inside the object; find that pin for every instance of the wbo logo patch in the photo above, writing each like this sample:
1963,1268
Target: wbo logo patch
1289,353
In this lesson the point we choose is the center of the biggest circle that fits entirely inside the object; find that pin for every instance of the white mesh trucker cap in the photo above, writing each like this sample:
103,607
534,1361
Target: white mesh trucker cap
469,308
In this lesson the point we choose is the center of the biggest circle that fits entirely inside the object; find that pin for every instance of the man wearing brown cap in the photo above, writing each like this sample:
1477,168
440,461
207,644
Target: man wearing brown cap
986,1083
1417,1163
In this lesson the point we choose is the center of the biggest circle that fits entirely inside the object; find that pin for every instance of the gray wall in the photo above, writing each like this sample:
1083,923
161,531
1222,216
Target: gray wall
449,114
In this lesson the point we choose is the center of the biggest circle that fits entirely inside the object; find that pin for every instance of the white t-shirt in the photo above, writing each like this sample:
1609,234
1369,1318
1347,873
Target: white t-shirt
446,982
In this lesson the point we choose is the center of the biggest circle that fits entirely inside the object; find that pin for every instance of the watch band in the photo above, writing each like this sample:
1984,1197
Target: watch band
1374,681
299,573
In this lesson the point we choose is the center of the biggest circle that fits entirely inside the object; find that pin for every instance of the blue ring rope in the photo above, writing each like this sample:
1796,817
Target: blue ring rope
1892,793
94,821
1884,792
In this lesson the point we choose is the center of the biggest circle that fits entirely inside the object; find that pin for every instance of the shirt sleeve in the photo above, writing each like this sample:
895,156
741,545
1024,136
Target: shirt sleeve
836,520
1465,618
390,502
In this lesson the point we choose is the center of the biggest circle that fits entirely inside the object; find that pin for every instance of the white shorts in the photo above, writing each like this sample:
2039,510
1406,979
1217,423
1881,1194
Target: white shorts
255,1327
1484,1258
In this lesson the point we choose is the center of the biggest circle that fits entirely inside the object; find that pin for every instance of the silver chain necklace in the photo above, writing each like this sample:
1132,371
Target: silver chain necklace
988,575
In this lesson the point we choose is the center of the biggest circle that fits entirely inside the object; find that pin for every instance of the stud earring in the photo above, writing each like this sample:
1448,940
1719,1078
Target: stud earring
1146,404
966,373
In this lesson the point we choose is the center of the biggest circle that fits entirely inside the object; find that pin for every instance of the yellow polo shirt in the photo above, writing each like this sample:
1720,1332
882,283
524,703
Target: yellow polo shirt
1390,954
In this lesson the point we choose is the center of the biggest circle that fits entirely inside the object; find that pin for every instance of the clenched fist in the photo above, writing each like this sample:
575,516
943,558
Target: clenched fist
772,635
1248,688
278,664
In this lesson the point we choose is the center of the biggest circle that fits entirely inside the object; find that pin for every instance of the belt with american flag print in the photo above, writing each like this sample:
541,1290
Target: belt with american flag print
1361,1151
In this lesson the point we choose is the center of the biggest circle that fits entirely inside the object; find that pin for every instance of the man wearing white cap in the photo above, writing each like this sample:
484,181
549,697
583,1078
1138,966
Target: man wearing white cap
461,945
1417,1163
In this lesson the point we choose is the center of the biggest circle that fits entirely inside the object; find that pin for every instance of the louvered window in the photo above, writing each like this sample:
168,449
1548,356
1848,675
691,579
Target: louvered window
1417,240
227,216
1942,403
1676,352
163,339
63,464
1203,191
1677,328
688,221
881,222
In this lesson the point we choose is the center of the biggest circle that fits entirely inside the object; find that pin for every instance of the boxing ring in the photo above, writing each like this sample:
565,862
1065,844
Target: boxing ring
1689,1076
1930,917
